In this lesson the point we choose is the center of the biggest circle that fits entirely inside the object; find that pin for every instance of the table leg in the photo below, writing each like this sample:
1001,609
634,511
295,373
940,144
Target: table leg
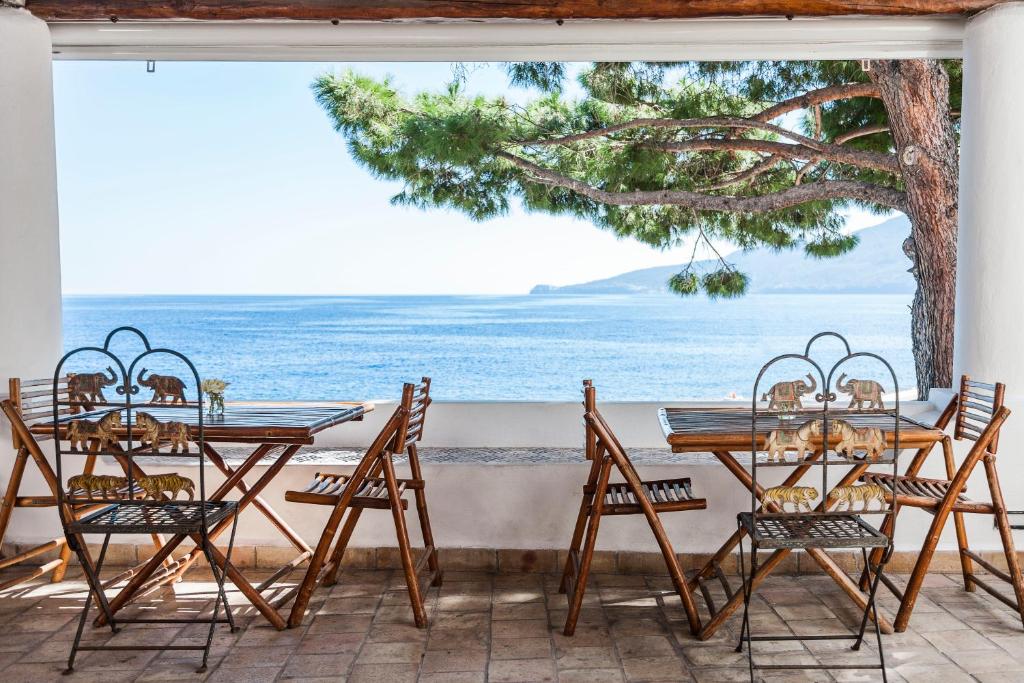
259,503
250,495
136,582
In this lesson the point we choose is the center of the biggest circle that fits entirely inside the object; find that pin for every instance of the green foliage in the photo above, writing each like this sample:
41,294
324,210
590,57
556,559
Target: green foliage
455,150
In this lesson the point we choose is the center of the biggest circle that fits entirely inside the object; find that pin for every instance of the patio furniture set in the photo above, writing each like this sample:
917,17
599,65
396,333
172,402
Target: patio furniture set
863,441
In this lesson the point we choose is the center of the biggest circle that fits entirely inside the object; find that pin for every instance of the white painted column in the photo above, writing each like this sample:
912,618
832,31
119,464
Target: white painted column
990,277
990,252
30,303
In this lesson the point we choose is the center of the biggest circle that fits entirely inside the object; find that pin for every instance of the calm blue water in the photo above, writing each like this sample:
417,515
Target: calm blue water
493,347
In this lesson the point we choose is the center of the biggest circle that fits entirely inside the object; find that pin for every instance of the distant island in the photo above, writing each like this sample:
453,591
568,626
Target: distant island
876,266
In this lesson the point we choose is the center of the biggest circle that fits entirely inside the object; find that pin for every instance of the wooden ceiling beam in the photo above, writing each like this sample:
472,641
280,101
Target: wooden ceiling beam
381,10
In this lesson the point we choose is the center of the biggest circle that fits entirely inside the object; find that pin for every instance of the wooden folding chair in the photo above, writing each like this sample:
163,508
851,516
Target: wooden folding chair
31,401
374,484
980,414
632,497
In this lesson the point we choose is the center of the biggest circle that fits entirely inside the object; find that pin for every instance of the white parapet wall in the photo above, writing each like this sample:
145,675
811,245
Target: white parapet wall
532,505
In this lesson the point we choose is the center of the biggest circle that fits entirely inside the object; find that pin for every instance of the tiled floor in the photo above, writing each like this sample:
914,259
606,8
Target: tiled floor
507,628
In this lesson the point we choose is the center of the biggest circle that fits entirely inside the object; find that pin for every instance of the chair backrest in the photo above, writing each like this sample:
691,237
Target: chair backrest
32,399
608,445
978,404
415,400
589,406
601,440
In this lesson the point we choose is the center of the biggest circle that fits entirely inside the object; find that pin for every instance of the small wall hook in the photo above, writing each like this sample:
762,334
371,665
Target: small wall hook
150,66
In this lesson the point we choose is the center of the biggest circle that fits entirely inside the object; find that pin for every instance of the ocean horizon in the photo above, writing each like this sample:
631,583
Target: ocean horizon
494,347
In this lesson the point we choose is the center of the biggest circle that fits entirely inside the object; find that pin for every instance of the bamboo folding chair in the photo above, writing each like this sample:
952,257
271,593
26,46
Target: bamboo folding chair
374,484
632,497
30,403
980,414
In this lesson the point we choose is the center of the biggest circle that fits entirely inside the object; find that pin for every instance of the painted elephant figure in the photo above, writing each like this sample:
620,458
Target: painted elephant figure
164,387
782,440
862,391
785,396
871,440
88,387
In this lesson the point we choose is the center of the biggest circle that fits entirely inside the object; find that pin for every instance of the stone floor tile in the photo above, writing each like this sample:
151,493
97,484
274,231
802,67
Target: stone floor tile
383,673
453,677
256,657
390,653
520,628
655,669
318,666
521,671
584,657
590,676
440,661
464,602
520,648
631,647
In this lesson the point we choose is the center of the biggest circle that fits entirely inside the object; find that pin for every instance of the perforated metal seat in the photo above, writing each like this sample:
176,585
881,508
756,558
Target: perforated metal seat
172,518
814,531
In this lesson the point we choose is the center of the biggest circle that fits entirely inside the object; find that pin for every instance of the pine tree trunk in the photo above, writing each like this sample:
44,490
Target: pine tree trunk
916,97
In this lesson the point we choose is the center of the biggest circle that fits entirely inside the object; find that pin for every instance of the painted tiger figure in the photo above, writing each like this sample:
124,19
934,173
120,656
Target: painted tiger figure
864,493
154,431
107,485
156,484
80,432
799,496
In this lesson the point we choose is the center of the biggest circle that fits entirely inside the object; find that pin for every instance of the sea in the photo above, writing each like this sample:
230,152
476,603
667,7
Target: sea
490,348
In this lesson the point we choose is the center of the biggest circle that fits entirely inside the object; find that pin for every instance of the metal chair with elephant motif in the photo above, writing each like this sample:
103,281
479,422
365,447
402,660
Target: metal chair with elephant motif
814,524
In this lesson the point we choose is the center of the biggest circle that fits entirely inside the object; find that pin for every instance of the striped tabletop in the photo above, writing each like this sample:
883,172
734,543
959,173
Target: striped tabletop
244,423
708,429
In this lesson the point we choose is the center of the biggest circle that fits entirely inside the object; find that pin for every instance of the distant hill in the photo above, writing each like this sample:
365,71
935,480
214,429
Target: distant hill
876,266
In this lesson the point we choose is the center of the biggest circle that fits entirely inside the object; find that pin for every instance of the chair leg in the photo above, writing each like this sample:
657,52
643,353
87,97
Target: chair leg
13,484
593,522
334,564
404,547
420,495
331,577
316,563
581,524
966,564
1005,534
672,562
924,560
62,568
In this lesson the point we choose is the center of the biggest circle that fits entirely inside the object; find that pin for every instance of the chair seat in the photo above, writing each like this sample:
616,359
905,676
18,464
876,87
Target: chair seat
327,489
922,492
154,517
794,530
665,495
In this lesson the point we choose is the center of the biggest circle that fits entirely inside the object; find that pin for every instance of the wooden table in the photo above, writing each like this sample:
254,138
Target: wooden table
721,431
278,432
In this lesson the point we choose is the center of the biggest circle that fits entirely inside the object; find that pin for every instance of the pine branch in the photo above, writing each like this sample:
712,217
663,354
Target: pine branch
820,96
859,158
775,201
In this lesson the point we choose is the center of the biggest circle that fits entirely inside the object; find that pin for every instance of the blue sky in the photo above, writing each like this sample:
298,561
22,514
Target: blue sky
228,178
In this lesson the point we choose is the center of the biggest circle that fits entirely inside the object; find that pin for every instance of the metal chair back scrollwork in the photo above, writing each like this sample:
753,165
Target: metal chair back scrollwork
791,431
123,426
